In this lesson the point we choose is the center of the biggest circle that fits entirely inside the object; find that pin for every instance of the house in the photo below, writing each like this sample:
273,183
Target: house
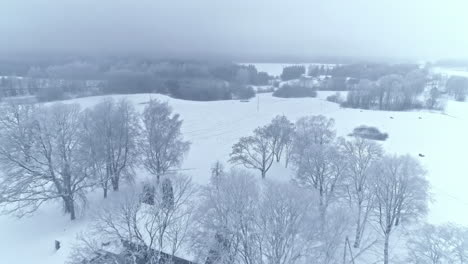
134,254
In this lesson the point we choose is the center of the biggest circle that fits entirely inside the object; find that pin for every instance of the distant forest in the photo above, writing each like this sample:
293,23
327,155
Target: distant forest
191,80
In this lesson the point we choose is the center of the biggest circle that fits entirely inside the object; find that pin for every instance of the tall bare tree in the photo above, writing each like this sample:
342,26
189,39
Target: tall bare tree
162,144
42,157
283,222
252,222
112,129
280,131
255,152
321,168
226,219
360,155
444,244
401,194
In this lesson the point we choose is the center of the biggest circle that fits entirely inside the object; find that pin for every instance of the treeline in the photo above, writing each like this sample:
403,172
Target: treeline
372,71
191,80
395,92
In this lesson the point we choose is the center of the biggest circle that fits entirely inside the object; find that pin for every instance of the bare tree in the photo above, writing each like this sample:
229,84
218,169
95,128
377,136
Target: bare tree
42,158
284,215
360,155
321,168
148,229
226,220
401,193
249,223
255,152
443,244
312,130
280,131
112,129
163,145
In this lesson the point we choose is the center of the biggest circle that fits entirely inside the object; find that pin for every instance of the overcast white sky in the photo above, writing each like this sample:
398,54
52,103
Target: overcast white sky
371,28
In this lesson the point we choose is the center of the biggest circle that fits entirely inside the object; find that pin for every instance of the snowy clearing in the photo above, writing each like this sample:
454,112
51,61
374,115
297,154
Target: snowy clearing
213,127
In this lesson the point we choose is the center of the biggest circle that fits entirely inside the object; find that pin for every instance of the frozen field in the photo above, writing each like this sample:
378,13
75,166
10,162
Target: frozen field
213,127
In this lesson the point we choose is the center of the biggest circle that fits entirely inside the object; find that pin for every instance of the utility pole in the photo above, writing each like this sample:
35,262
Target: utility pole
258,103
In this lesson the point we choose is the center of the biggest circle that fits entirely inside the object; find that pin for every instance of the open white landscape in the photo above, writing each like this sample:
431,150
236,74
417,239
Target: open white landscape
213,127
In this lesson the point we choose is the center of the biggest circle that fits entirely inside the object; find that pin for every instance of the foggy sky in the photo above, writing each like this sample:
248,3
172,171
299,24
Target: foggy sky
238,28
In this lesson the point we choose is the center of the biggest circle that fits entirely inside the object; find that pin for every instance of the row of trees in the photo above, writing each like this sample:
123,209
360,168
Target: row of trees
189,80
372,71
354,176
292,72
59,152
391,92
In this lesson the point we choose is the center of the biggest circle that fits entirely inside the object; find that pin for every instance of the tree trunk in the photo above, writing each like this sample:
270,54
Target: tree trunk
387,238
322,212
115,183
263,174
357,239
105,191
69,207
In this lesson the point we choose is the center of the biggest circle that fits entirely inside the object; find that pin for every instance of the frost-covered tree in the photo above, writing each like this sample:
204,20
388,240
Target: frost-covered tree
401,194
255,152
163,145
226,219
280,131
284,222
360,155
442,244
111,133
42,157
321,168
317,130
318,163
250,222
146,229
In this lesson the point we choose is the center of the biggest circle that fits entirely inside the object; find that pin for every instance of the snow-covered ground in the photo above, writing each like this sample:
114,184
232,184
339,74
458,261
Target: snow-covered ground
213,127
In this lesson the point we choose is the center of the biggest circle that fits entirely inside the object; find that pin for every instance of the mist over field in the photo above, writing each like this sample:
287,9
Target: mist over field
241,30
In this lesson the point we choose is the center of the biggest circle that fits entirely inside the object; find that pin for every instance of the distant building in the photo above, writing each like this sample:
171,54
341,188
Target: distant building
134,254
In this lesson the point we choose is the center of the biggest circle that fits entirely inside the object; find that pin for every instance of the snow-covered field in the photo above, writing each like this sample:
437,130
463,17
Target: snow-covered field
213,127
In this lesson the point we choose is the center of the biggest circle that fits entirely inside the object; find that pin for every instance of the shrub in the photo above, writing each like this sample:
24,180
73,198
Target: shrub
368,132
241,91
294,91
335,98
201,90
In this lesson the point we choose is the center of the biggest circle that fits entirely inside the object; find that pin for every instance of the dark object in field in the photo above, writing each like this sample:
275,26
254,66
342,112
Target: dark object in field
420,117
57,245
368,132
421,155
105,244
391,117
244,101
